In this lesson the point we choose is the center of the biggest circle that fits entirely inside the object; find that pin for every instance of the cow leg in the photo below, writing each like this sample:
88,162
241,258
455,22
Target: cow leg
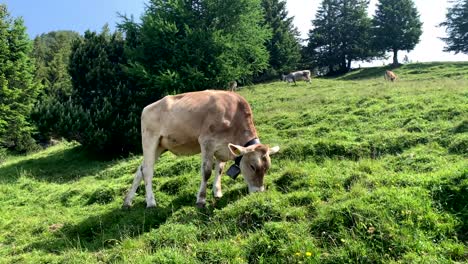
219,166
151,154
206,167
135,184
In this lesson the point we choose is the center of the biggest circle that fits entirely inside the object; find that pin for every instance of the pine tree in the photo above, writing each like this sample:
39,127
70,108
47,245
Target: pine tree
341,34
18,90
396,26
192,45
456,24
103,110
283,47
51,51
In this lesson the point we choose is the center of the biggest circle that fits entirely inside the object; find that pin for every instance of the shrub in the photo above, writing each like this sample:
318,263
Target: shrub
104,108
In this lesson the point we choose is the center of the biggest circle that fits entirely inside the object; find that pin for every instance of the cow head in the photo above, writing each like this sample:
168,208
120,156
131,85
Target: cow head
254,164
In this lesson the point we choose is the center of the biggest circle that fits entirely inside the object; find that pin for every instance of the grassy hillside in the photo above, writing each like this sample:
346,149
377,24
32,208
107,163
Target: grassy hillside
368,172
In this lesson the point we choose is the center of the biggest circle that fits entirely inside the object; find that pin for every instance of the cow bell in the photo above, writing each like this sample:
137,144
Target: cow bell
233,171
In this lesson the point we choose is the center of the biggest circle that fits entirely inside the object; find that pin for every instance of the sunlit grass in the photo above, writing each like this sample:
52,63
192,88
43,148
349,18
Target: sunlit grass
369,171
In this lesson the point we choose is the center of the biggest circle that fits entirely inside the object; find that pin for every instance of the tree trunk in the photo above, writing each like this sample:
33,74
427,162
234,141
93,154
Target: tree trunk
348,67
395,57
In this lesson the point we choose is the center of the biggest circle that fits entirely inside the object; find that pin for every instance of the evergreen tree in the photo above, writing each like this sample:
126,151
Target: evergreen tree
341,34
18,89
190,45
103,110
283,47
456,24
396,26
51,52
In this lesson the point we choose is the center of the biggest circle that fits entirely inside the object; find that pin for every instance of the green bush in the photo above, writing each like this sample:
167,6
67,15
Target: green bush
103,110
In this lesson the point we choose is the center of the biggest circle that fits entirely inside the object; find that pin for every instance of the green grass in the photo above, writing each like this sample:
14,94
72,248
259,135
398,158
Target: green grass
368,172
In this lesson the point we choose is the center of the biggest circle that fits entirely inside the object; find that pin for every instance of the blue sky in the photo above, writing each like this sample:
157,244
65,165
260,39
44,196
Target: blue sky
42,16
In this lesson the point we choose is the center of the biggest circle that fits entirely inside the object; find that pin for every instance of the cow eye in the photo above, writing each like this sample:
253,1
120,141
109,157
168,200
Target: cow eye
252,167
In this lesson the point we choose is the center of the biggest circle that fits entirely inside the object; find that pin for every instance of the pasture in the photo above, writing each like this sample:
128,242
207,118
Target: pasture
369,171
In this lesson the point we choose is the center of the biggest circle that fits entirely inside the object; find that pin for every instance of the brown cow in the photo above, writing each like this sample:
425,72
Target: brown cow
216,123
390,76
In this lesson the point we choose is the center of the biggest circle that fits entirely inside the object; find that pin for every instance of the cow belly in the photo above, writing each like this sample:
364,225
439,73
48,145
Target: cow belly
180,146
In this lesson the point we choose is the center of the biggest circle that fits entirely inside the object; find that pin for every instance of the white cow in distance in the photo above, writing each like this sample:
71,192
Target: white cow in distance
297,76
219,124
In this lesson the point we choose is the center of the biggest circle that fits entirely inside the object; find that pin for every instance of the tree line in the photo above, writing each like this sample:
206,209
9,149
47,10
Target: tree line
92,87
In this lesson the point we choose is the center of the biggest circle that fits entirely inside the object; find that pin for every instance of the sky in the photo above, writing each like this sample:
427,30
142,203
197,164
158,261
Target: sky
42,16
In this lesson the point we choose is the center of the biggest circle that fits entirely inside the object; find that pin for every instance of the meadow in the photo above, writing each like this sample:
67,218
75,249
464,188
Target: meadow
368,172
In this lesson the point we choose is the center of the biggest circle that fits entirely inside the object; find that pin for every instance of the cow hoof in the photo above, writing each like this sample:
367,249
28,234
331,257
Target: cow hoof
150,206
126,206
201,205
218,195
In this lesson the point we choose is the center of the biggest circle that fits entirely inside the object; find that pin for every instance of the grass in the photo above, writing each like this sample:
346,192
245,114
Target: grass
368,172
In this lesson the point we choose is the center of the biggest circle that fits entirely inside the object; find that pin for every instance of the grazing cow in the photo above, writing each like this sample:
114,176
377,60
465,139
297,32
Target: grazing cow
232,86
297,76
390,76
219,124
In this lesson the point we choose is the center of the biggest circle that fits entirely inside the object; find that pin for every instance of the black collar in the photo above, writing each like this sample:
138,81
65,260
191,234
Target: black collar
250,143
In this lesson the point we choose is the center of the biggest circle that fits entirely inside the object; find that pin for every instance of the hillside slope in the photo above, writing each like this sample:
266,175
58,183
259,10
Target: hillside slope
369,171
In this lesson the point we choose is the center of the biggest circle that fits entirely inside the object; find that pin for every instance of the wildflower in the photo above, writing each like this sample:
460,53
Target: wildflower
297,254
308,254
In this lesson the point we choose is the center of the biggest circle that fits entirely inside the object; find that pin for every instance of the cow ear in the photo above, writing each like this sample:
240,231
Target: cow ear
237,150
273,150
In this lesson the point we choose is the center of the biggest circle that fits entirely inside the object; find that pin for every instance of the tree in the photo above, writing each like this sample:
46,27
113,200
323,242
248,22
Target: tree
456,24
189,45
51,52
283,47
18,90
103,110
341,34
396,26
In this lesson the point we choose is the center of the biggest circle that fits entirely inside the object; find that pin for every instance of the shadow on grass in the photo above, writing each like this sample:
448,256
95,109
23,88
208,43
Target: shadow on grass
60,166
109,229
367,73
452,197
412,68
105,230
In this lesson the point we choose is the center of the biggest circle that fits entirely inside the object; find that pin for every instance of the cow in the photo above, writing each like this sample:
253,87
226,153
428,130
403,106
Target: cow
232,86
296,76
390,76
218,124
